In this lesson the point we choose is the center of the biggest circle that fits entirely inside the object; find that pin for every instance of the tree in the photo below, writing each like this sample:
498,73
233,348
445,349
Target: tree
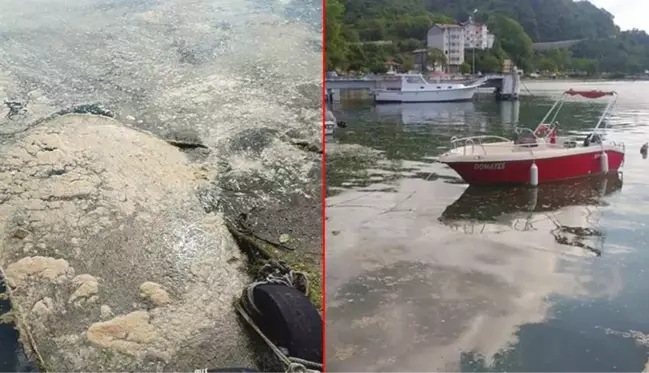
562,57
350,35
512,38
515,23
465,68
409,45
546,64
335,45
628,52
584,65
378,67
408,62
375,58
356,58
542,20
436,57
488,64
374,29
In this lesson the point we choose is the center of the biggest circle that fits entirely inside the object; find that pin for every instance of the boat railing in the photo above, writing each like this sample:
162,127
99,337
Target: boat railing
480,145
473,141
619,145
520,130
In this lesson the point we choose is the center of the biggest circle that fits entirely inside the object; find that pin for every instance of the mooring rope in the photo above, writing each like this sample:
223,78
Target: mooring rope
279,273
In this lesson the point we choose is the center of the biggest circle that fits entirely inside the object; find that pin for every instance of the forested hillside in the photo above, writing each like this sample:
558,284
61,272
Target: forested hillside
516,24
543,20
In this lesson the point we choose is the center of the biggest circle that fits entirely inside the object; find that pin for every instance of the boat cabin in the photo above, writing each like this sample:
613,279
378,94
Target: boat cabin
417,82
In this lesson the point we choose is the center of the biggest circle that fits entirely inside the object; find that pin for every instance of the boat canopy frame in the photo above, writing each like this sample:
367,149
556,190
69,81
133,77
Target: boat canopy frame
592,94
480,141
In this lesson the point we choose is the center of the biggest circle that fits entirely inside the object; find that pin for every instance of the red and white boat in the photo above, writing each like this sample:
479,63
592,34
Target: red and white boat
538,156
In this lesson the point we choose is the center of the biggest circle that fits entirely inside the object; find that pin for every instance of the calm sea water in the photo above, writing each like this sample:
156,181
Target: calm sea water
427,274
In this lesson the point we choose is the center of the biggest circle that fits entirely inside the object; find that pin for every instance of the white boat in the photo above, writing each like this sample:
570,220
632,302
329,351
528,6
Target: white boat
330,123
414,88
329,127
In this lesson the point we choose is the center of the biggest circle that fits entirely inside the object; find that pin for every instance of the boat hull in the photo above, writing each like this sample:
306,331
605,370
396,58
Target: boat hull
550,169
440,95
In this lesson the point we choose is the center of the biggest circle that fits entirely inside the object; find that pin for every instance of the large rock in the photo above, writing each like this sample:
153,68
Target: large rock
243,76
113,262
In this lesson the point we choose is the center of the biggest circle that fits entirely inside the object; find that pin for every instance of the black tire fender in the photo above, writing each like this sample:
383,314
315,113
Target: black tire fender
289,319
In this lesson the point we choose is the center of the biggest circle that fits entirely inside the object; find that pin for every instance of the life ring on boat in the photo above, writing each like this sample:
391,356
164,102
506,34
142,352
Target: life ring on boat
542,130
545,130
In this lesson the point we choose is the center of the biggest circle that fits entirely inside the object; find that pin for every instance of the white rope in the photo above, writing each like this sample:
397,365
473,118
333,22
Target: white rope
278,273
292,364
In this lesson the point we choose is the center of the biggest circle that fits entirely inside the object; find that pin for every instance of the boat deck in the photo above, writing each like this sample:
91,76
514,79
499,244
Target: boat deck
478,148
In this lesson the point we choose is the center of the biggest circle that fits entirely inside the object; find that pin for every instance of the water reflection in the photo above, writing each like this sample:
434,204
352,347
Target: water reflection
451,113
510,112
455,274
528,209
422,113
485,203
445,119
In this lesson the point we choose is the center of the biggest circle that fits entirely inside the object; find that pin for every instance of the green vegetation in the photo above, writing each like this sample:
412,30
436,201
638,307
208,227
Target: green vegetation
512,38
363,34
260,252
625,52
542,20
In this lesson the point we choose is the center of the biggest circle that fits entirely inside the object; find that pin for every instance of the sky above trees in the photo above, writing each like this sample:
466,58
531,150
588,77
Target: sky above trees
628,14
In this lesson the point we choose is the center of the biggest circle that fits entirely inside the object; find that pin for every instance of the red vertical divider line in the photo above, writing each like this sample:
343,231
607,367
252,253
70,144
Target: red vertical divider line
323,191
